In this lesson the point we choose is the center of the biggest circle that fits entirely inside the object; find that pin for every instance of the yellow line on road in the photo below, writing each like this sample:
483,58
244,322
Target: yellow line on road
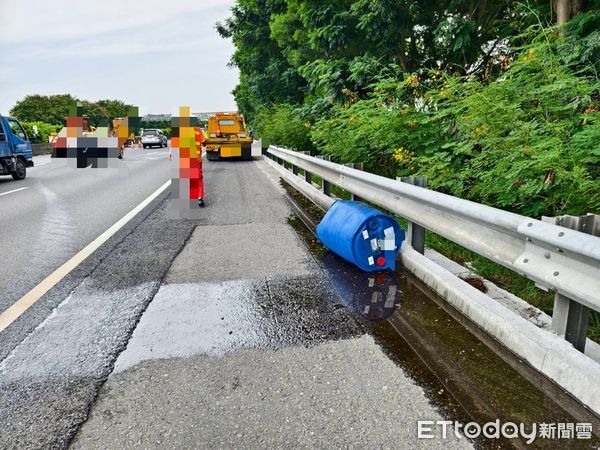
18,308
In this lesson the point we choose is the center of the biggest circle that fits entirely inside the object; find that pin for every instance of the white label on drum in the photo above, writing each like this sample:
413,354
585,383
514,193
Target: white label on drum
365,234
386,244
374,245
371,260
389,233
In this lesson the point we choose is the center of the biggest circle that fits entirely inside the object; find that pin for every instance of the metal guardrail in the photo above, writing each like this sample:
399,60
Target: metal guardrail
555,258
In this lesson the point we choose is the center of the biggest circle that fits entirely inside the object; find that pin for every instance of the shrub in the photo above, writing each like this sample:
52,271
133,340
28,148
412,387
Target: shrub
283,125
527,141
39,132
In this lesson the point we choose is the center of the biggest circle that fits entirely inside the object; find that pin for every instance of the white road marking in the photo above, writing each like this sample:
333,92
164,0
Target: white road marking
17,309
42,160
41,164
14,190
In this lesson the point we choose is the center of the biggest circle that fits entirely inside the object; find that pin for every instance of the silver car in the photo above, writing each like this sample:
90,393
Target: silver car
153,136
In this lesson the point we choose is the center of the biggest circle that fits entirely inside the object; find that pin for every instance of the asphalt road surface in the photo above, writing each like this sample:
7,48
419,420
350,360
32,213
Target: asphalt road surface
224,331
55,212
237,278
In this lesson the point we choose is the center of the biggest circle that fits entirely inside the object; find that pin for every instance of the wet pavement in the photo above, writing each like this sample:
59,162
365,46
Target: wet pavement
215,319
466,374
234,332
248,343
280,349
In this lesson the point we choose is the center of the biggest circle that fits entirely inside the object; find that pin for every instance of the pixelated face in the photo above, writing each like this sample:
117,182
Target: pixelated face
94,146
187,184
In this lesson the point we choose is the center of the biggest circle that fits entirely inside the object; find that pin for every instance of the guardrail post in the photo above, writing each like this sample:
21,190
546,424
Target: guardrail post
357,166
569,318
263,150
307,175
326,184
489,229
415,233
282,161
294,167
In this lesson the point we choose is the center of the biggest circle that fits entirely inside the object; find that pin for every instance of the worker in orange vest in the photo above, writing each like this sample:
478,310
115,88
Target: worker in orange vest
197,183
188,138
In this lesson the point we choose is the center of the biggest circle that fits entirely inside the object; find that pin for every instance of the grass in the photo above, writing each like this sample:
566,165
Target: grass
594,329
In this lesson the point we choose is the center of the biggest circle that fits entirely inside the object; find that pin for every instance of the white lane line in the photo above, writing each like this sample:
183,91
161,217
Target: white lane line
14,190
42,160
43,163
15,311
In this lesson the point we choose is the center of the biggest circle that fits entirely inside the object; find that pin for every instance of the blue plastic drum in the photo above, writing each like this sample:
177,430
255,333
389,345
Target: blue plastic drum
361,235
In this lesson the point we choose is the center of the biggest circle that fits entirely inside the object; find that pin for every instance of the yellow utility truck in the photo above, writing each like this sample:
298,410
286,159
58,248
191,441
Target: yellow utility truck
227,137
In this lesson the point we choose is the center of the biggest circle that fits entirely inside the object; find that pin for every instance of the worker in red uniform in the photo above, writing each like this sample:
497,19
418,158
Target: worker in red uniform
197,183
188,138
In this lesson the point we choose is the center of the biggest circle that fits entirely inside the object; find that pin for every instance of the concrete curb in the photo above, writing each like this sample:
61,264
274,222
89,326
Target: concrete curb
41,149
510,301
546,352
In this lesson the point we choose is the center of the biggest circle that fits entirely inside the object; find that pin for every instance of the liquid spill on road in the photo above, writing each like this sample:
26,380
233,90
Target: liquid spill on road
218,318
374,296
463,377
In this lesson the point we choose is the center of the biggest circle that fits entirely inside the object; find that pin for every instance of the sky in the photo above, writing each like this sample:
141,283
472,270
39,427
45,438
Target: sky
155,54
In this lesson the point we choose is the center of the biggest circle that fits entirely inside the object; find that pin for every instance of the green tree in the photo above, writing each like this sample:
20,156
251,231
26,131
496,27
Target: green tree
99,116
54,109
266,77
115,108
44,108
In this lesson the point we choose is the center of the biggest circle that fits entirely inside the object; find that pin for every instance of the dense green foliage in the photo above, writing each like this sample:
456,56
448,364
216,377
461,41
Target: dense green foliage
39,132
529,141
487,98
490,99
283,124
114,108
43,108
54,109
